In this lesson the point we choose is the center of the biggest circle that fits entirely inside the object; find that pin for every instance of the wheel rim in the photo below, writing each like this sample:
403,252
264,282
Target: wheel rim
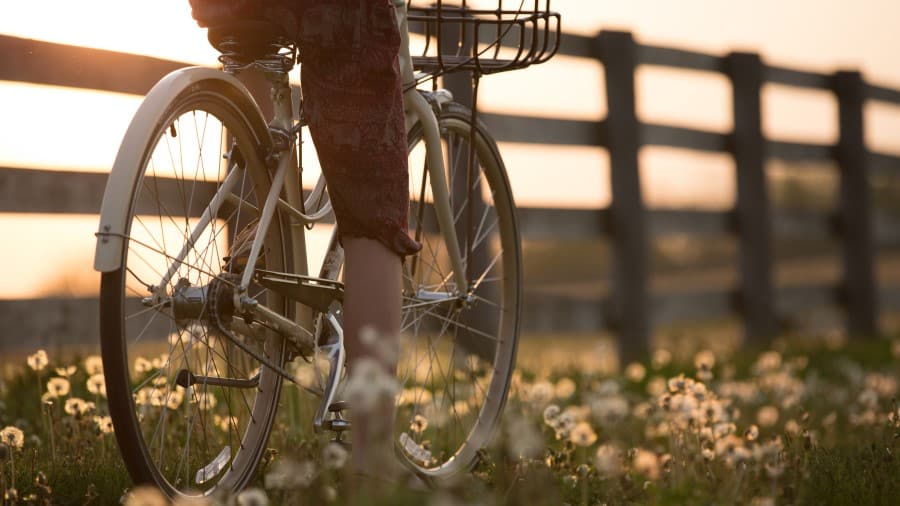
457,355
206,436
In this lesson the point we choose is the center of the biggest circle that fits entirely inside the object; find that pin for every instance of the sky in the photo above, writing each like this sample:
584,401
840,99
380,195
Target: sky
819,35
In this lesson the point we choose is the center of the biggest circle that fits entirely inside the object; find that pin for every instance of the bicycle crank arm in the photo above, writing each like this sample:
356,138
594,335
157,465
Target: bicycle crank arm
186,378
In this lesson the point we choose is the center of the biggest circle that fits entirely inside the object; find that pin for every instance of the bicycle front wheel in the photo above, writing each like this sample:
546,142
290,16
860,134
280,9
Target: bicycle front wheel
193,406
457,349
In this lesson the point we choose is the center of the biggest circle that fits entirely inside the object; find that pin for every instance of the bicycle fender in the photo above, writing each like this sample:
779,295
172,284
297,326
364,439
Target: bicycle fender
119,193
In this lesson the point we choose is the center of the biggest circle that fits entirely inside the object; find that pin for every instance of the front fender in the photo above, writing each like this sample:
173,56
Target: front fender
126,170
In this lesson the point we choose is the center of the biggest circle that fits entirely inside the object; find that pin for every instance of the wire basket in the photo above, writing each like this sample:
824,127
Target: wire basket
465,36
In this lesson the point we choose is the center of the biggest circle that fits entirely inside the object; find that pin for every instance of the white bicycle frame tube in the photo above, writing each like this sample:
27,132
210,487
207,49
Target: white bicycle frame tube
418,108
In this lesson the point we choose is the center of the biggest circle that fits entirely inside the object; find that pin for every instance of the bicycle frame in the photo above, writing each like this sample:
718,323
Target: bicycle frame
113,231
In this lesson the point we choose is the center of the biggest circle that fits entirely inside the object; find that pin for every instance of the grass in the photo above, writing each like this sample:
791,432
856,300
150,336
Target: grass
801,423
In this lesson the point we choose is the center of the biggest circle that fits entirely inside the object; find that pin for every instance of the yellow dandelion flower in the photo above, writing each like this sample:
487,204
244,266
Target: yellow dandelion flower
67,371
13,437
93,365
96,384
58,387
38,361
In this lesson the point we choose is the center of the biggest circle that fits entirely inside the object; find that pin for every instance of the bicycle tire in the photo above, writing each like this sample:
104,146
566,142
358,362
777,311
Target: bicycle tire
485,332
154,432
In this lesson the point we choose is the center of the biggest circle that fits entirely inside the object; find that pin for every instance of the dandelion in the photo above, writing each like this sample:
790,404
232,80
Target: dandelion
752,433
334,456
608,460
104,424
767,416
656,386
329,493
635,372
145,495
93,365
67,371
540,393
253,497
58,387
583,435
368,383
204,400
461,408
288,474
12,437
708,453
76,406
564,425
142,365
523,441
418,424
645,462
609,410
160,361
564,388
96,384
704,360
551,413
38,361
661,358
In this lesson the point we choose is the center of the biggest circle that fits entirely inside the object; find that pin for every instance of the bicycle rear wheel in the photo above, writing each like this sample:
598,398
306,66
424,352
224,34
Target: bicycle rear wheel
191,407
458,349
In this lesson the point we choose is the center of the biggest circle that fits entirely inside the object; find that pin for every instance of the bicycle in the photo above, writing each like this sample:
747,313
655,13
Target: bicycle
206,300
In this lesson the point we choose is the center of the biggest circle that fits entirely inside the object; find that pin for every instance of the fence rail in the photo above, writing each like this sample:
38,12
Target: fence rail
629,305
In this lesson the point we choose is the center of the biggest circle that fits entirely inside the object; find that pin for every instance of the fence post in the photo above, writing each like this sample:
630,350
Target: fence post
630,299
753,221
858,291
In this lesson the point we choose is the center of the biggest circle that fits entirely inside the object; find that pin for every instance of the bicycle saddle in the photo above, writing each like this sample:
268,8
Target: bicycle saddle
249,40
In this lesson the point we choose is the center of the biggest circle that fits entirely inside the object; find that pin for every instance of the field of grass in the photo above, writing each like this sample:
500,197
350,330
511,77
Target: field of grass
804,422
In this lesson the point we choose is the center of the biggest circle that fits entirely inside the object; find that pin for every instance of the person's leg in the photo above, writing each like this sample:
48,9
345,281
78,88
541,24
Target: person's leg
372,284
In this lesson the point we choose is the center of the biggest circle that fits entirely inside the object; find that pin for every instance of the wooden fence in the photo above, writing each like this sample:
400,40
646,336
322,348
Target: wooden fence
630,309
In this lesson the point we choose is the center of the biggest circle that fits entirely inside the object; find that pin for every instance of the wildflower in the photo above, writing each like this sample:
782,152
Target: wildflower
334,456
583,435
461,408
661,358
551,413
523,441
289,474
145,495
540,393
679,383
104,424
96,384
610,409
142,365
253,497
38,361
160,361
708,453
792,427
767,362
93,365
76,406
656,386
609,460
12,437
767,416
58,387
418,424
329,493
752,433
204,400
413,396
369,382
564,388
646,462
65,372
635,372
704,359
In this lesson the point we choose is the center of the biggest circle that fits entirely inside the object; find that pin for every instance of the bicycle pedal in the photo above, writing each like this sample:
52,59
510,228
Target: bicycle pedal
338,406
337,425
